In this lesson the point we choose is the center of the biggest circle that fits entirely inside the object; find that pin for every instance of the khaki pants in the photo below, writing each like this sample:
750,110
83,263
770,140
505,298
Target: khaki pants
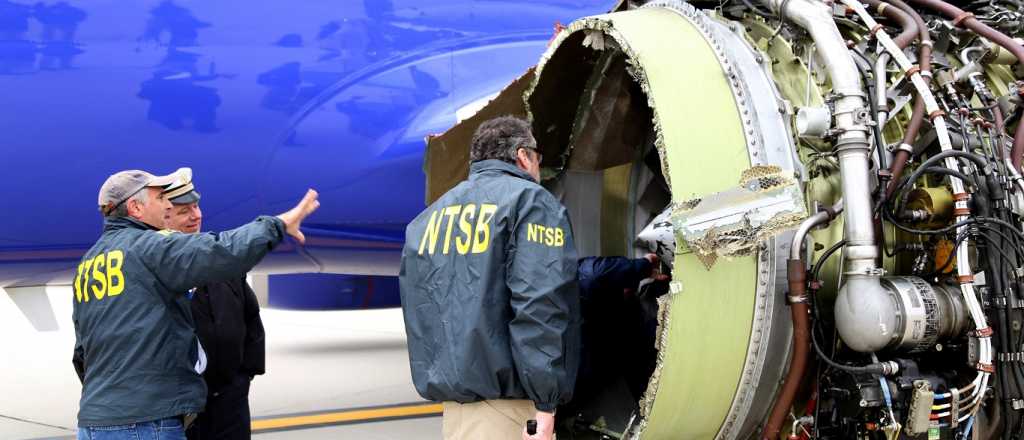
486,420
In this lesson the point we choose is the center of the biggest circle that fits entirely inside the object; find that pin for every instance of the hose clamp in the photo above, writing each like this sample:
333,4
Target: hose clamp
890,368
1011,357
954,407
847,93
960,18
982,332
852,143
1000,302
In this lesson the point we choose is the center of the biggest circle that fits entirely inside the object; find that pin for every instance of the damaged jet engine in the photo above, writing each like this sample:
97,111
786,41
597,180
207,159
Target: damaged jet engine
843,183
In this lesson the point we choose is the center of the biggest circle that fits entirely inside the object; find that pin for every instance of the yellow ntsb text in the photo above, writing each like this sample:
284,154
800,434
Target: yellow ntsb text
546,235
101,276
474,234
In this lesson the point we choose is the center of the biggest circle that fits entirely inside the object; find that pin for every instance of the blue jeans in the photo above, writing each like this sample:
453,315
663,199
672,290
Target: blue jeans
163,429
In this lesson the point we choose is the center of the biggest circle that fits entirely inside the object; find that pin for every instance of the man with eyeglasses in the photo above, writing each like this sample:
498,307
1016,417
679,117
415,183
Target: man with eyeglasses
489,294
135,349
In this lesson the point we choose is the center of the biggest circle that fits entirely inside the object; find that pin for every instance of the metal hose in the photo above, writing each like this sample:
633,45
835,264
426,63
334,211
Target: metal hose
797,275
906,23
966,19
902,154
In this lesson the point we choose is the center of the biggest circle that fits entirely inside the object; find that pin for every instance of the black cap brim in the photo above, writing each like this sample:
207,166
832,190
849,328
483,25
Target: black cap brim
184,199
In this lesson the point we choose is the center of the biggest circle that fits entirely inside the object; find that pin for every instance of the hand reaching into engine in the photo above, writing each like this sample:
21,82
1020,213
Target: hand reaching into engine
656,268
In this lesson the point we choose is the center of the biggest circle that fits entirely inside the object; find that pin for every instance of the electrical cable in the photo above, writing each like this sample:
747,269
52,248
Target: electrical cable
967,429
824,257
942,230
757,10
866,369
782,20
982,165
949,172
949,258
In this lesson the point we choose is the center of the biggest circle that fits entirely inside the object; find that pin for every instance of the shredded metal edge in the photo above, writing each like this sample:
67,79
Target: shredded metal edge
604,24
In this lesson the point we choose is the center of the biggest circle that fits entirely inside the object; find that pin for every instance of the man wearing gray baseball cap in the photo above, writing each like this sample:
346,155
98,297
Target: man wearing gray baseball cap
135,347
126,189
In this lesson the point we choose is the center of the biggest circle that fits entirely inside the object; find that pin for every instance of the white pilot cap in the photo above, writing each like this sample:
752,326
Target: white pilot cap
182,191
122,185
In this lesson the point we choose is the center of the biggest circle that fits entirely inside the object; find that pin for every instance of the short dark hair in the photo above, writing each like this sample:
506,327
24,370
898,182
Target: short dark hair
500,138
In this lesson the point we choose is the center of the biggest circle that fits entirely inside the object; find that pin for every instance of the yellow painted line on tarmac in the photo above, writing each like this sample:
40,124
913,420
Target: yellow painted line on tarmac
348,416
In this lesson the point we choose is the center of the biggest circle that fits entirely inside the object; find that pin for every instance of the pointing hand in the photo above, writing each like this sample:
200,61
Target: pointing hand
294,217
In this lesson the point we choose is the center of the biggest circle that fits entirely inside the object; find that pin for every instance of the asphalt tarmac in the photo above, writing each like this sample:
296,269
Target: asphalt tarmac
330,375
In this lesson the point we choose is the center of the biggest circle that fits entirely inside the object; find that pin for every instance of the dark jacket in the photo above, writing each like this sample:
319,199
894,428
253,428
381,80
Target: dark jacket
133,323
597,274
227,318
618,331
488,285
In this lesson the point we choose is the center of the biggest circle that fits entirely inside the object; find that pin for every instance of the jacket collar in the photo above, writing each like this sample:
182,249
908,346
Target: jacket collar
115,223
482,166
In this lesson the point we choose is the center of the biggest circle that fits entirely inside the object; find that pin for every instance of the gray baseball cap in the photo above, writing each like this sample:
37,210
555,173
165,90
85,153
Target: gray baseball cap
182,191
122,185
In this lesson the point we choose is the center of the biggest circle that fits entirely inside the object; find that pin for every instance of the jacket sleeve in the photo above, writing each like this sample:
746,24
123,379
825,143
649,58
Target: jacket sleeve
541,276
183,261
611,273
78,359
254,356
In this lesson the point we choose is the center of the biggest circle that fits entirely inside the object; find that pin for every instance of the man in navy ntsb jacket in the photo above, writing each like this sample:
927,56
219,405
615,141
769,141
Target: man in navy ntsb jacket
135,348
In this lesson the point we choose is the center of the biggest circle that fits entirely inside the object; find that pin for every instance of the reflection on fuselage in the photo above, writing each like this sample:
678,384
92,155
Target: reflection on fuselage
247,94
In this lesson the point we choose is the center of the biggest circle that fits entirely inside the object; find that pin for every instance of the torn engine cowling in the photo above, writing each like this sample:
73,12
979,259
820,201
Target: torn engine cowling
843,184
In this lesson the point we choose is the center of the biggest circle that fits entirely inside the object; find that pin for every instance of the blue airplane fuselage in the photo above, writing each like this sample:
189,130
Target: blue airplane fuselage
262,99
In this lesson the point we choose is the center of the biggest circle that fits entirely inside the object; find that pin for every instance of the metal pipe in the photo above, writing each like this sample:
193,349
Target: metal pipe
909,31
819,218
850,111
967,20
902,154
964,54
880,82
797,276
906,23
851,114
861,307
801,351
